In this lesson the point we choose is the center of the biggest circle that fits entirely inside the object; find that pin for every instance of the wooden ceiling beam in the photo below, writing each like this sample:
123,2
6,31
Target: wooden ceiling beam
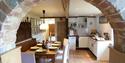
65,4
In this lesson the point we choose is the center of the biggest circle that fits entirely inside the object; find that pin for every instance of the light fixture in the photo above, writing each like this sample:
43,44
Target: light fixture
43,16
43,26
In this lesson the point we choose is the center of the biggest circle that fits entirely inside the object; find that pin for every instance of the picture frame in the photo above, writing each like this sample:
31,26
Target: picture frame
11,3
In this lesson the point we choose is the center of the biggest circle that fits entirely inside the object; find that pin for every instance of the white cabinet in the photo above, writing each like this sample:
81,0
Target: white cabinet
11,56
93,46
83,42
95,49
103,50
100,48
72,43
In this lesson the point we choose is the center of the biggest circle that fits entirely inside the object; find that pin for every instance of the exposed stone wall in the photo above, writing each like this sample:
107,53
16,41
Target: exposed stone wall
111,11
11,23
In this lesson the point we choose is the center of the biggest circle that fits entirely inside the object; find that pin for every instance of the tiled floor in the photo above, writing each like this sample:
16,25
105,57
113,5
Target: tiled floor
83,56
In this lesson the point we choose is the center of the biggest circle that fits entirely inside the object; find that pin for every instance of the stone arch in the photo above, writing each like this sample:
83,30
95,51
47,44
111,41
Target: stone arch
107,9
114,18
10,24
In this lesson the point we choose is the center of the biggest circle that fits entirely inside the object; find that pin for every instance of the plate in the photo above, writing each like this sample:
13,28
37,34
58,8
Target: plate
53,47
55,44
34,48
39,45
41,50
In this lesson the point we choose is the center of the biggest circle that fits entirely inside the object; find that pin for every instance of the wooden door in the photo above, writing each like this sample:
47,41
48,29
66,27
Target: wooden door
61,30
52,29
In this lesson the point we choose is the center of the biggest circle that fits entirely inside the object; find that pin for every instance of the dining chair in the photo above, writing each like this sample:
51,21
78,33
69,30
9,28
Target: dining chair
63,58
66,54
65,42
28,57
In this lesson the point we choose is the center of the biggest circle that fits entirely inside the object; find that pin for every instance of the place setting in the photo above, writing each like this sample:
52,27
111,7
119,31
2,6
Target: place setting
40,50
44,48
34,48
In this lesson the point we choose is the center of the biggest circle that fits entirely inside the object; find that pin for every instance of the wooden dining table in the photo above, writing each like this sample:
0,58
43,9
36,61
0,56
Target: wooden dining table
41,53
50,54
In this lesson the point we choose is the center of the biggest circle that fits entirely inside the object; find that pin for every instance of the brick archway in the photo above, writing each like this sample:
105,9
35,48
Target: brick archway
107,9
114,19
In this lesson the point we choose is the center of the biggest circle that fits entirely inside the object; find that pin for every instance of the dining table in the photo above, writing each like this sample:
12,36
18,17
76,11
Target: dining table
48,53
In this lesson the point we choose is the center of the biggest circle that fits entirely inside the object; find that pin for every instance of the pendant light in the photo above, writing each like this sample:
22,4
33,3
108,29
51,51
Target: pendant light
43,26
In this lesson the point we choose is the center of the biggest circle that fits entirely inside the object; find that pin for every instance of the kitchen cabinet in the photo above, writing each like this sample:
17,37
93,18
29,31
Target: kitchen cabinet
92,45
100,48
83,42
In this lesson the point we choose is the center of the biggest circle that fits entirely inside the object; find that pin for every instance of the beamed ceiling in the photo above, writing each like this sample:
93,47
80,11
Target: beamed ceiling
61,8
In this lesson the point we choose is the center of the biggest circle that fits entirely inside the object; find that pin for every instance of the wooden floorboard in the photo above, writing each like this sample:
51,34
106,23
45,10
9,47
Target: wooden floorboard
83,56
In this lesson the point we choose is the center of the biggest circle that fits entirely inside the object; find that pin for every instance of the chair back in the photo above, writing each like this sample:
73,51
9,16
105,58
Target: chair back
65,42
66,51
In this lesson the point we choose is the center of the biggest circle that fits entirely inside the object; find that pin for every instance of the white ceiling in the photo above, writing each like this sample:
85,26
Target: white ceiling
51,7
82,8
54,8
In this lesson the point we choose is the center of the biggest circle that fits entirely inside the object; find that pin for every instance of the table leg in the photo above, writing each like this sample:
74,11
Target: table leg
37,60
53,60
